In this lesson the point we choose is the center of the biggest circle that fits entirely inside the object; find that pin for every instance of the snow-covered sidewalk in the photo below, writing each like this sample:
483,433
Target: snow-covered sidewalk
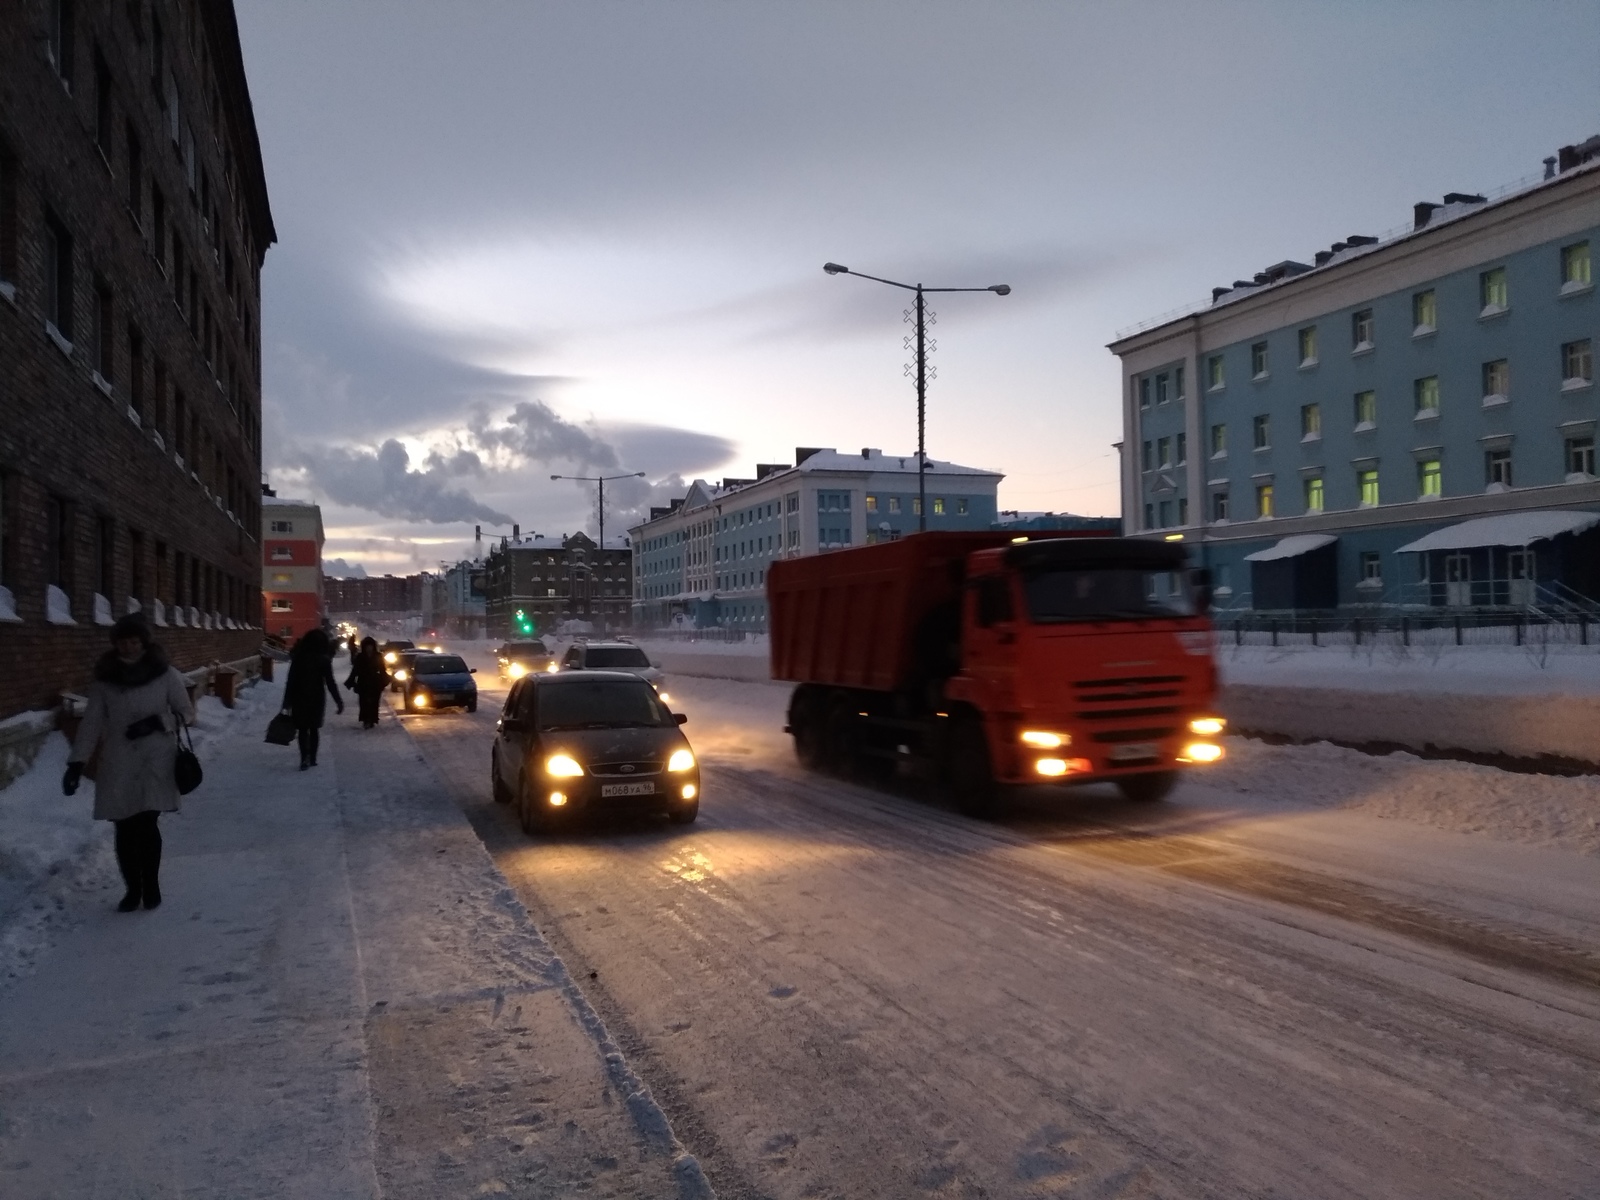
339,997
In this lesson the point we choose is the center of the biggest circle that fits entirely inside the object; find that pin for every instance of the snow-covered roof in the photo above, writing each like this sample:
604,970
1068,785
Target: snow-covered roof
265,500
1506,529
877,460
1292,547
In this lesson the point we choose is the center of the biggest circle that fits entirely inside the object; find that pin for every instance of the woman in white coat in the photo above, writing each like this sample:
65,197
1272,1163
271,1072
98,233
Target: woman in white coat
135,702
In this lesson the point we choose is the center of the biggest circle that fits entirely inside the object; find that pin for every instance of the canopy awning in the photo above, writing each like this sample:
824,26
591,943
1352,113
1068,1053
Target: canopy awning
1507,529
1292,547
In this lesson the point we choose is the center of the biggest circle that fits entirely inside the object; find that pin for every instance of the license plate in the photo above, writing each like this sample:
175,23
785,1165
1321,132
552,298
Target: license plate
1135,752
644,788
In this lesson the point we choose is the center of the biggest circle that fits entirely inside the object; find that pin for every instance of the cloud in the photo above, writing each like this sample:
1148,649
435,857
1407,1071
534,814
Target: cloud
383,482
339,569
533,431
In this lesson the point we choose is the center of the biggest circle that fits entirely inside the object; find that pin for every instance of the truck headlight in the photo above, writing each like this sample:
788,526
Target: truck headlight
1207,726
681,760
1051,766
1044,740
1201,752
562,766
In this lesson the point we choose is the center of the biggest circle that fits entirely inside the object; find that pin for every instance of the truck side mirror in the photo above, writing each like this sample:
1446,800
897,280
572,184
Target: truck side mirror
1203,590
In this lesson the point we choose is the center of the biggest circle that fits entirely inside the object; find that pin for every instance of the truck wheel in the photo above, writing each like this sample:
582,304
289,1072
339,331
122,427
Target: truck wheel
968,774
807,745
840,742
1148,788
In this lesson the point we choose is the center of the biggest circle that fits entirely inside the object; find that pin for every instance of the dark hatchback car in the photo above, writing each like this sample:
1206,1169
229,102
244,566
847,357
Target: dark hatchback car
522,658
438,681
594,741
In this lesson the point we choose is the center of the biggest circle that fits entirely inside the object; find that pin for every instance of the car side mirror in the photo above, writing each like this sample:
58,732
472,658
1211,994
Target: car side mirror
472,670
681,718
512,725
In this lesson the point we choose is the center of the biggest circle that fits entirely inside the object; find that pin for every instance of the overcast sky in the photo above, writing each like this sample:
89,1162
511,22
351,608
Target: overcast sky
519,238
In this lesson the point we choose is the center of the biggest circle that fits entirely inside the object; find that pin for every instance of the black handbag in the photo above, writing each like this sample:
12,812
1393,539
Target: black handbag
281,730
186,770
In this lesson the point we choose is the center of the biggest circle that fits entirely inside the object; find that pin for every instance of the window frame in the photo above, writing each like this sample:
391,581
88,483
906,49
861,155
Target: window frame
1363,331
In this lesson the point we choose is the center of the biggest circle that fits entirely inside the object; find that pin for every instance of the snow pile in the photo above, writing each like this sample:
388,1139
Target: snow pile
1542,810
50,845
1541,668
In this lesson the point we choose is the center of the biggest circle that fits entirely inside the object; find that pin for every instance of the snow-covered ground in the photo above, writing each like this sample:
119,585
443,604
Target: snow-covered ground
1392,667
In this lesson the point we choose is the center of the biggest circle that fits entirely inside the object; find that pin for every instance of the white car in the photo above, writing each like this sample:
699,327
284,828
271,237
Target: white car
615,656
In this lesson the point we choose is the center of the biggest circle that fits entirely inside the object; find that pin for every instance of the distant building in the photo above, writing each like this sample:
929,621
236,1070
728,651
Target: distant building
702,561
1024,522
1406,420
291,566
465,587
389,596
134,220
555,579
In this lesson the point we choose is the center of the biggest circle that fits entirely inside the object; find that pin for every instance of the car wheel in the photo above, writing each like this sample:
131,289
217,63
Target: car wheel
472,706
684,814
502,794
1148,788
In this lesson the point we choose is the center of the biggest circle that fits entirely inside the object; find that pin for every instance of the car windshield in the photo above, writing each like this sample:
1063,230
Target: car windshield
1106,593
603,657
600,704
399,645
527,650
440,664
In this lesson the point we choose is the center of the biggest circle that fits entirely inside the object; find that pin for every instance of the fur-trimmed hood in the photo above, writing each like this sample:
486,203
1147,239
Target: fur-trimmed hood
151,665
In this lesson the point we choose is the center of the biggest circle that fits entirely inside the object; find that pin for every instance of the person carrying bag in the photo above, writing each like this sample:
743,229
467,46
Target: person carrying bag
137,704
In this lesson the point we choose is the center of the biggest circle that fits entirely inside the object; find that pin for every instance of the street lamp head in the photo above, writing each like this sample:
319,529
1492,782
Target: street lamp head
638,474
835,269
555,477
1001,289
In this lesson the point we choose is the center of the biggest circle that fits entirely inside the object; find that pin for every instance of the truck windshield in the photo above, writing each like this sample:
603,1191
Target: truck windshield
1108,593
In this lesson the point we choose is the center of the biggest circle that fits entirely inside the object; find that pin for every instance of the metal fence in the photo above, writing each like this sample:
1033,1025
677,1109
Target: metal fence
1455,627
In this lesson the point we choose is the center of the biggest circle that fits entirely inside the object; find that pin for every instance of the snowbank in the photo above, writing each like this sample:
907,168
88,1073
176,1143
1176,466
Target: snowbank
1479,670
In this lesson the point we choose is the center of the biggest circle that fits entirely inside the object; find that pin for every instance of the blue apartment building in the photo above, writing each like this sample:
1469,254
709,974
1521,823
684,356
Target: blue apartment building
1408,420
702,560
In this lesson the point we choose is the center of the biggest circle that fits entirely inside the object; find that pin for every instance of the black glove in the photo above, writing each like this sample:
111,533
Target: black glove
69,780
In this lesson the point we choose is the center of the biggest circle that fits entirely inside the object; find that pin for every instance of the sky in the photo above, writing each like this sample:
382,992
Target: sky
519,239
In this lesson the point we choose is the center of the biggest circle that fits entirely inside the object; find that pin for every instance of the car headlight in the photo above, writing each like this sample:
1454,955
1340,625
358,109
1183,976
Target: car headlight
517,671
420,700
391,658
1207,726
400,676
681,760
1044,740
663,697
554,667
562,766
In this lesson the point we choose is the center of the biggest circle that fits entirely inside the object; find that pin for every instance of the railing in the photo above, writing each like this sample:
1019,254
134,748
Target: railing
712,633
1415,627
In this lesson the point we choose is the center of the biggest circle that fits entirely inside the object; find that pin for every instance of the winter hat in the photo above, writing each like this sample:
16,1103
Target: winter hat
131,626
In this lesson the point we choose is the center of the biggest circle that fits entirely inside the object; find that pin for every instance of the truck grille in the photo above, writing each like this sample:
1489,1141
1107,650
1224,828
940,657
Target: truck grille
627,770
1154,734
1092,694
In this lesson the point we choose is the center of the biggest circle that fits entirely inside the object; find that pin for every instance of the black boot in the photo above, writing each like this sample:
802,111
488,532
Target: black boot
150,879
129,863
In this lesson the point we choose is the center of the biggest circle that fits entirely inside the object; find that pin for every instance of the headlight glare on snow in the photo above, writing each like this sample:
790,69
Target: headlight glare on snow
1044,740
681,760
562,766
1207,726
1201,752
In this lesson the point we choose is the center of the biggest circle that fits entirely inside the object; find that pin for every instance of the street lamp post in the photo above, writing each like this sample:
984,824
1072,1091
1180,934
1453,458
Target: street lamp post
602,480
999,289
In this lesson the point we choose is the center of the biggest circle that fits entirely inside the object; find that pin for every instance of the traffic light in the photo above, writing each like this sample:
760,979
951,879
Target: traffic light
524,622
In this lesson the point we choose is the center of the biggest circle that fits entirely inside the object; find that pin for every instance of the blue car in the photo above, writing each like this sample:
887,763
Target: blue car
439,681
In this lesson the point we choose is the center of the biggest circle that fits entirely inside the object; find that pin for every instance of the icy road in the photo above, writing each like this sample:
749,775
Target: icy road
840,992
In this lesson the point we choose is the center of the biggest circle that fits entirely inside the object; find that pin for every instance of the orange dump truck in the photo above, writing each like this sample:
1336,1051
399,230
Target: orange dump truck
980,660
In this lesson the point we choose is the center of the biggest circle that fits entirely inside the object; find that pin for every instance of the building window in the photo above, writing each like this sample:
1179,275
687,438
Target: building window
1308,346
1425,393
1430,478
1214,376
1493,293
60,39
894,501
1371,569
1497,468
58,543
1496,381
872,504
1367,486
938,506
103,111
916,506
1162,395
1361,330
1262,426
1219,441
282,605
1577,364
1258,361
1424,313
8,214
1310,422
1366,409
282,526
1580,456
58,277
961,506
1149,516
1177,384
1144,392
1164,452
1263,500
1165,509
104,341
1183,510
1314,494
1575,275
1219,506
1181,451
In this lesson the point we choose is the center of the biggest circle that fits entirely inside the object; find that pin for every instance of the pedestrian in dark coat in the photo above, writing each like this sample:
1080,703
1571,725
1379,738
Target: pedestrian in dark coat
368,677
310,675
135,702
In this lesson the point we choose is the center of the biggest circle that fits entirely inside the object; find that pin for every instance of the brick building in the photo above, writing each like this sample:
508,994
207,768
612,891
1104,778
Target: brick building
133,223
556,579
391,594
291,566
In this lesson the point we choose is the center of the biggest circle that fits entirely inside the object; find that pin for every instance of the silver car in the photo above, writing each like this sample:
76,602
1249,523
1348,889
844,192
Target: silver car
615,656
